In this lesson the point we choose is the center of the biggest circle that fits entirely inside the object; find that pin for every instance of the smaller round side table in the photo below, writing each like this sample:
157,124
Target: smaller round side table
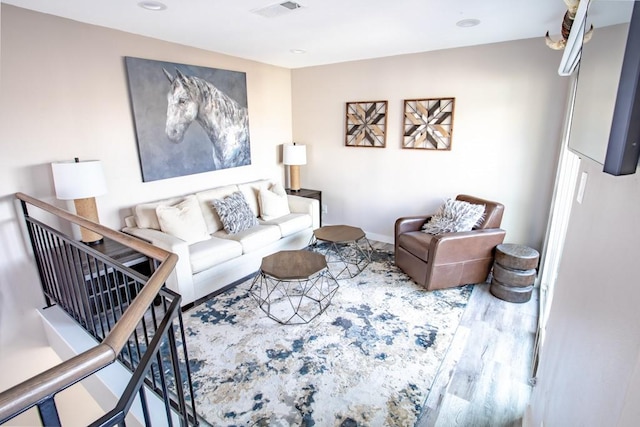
347,249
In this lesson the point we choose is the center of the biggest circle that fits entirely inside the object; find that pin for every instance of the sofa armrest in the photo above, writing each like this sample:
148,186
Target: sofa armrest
158,238
298,204
410,223
181,279
448,248
406,224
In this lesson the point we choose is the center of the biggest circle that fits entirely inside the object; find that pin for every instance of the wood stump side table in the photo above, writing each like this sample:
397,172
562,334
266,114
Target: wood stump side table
514,272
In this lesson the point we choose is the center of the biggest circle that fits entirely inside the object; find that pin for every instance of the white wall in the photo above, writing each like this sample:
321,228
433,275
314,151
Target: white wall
588,372
507,127
64,94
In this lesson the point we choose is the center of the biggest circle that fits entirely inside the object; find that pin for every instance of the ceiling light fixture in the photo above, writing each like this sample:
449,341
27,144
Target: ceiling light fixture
154,6
278,9
468,23
291,5
298,51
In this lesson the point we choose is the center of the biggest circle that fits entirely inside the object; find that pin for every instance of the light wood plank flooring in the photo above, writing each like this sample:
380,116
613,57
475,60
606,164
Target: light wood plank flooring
484,379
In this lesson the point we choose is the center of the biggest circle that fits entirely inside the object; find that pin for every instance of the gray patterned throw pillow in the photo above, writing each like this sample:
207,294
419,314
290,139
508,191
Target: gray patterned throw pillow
235,213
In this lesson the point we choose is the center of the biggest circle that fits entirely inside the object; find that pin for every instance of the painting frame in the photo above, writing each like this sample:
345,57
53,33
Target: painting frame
366,124
175,134
428,124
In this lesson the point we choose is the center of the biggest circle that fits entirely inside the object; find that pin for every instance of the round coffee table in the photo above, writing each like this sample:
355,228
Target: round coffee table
346,248
294,287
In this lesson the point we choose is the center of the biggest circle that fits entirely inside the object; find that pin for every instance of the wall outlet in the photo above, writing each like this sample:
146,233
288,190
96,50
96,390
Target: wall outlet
324,208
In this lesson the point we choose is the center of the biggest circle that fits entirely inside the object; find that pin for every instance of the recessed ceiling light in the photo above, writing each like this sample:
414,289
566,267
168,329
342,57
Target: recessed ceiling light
468,23
152,5
298,51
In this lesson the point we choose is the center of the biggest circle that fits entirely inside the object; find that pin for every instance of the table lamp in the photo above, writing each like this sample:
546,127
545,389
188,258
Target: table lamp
293,156
81,182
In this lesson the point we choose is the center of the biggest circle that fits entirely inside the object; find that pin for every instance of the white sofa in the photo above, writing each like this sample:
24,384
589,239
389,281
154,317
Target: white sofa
209,262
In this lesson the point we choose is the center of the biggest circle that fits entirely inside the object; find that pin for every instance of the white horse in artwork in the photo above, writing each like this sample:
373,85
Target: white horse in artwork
224,120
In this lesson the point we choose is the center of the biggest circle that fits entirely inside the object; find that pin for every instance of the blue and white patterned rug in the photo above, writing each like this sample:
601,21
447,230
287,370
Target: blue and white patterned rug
368,360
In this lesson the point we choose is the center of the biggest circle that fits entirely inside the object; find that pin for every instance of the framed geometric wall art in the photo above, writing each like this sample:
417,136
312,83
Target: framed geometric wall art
428,123
366,124
188,119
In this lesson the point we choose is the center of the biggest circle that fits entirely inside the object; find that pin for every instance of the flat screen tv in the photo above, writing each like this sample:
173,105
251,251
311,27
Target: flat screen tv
605,124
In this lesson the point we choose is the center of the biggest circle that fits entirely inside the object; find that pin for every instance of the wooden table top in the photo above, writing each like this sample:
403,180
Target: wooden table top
517,251
288,265
339,233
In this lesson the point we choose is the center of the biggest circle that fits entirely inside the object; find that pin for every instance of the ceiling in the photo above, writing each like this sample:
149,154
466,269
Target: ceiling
329,31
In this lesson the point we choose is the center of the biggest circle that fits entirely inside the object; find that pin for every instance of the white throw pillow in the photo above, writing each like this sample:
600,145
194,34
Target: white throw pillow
183,220
145,213
454,215
273,202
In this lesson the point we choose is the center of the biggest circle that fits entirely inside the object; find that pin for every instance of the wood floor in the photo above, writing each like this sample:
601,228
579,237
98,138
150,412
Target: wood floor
484,379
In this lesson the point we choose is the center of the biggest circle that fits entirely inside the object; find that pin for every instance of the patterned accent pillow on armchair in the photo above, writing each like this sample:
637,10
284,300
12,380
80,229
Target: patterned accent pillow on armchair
235,213
454,215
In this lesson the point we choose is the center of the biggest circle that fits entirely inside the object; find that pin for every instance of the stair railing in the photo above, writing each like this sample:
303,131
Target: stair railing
135,320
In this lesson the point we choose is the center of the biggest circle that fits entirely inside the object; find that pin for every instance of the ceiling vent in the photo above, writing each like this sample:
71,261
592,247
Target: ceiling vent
277,9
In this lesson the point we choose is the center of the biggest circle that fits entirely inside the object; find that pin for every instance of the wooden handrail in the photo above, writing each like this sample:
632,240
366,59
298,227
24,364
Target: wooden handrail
31,391
125,239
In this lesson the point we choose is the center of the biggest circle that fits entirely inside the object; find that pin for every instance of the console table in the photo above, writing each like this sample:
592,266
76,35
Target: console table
309,194
121,253
102,281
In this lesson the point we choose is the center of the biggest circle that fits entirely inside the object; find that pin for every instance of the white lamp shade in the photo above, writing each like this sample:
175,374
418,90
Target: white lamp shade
294,154
78,180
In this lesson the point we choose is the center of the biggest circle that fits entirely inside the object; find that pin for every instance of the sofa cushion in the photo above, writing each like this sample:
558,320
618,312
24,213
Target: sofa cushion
253,238
145,213
183,220
250,191
235,213
416,243
208,253
454,215
209,213
291,223
274,202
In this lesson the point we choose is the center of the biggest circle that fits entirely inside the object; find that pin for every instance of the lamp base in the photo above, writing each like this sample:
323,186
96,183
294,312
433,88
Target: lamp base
294,177
87,209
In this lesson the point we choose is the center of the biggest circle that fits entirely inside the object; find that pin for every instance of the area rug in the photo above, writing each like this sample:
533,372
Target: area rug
368,360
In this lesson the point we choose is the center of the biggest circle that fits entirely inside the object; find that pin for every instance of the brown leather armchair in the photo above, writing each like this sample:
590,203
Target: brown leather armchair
449,259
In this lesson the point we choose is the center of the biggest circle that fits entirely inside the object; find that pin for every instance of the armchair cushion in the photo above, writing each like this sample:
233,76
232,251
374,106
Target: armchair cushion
454,215
416,243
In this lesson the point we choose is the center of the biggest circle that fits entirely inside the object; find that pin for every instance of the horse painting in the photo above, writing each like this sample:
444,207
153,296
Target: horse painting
224,120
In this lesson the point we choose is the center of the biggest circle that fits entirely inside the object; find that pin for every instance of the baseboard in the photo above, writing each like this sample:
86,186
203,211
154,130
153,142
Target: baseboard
217,292
373,236
379,237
